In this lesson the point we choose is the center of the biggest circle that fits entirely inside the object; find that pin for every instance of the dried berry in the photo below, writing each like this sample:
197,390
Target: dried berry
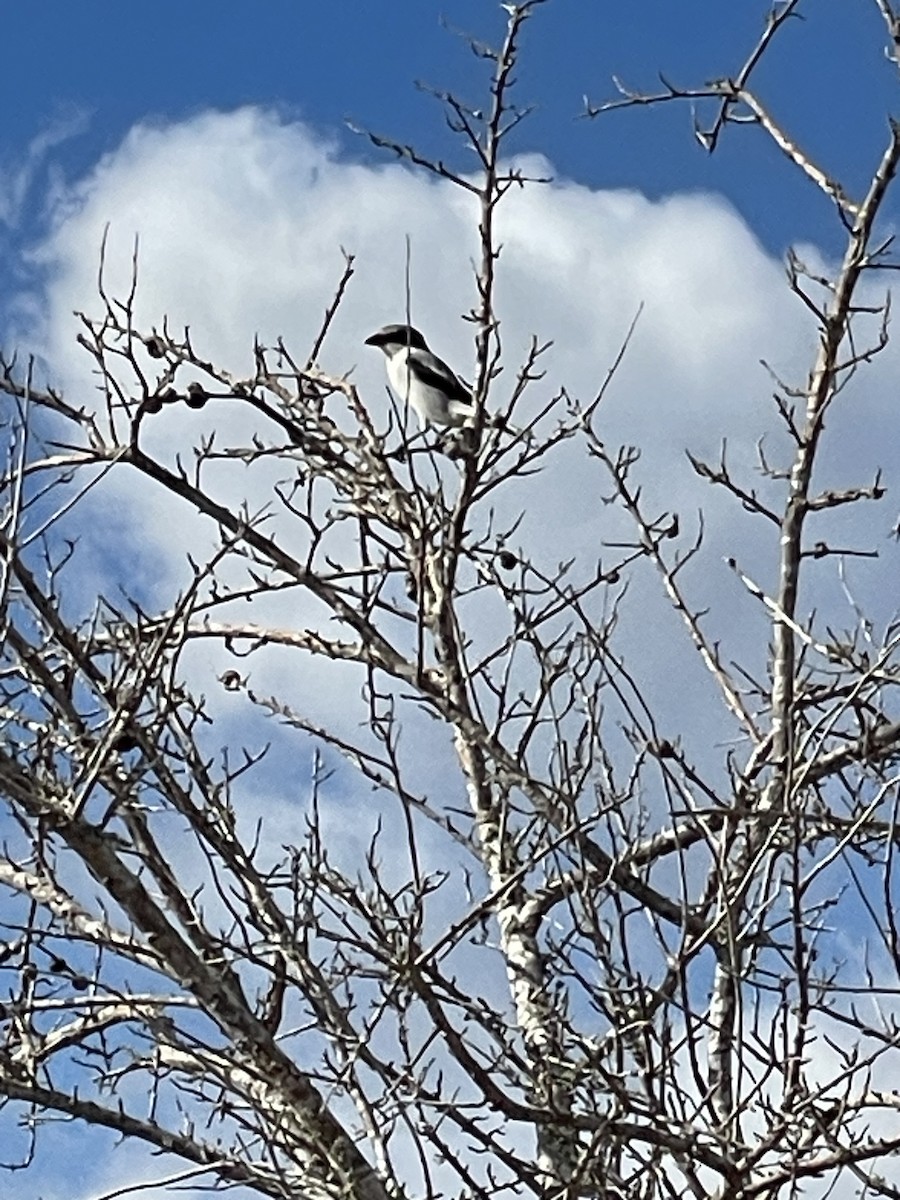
662,748
196,396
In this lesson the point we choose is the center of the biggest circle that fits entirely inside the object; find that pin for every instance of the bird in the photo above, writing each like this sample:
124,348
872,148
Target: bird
416,375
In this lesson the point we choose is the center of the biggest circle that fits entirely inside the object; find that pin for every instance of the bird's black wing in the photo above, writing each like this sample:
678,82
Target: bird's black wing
434,372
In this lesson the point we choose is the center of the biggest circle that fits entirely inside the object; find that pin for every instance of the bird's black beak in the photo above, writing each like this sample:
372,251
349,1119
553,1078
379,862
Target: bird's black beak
373,340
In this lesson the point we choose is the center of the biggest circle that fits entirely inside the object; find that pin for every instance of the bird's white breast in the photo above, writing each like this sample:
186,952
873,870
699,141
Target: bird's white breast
430,404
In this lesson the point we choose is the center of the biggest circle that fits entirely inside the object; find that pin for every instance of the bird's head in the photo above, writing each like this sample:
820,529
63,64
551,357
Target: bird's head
394,337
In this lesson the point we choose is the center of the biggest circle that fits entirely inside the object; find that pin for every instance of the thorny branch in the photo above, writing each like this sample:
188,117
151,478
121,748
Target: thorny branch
583,953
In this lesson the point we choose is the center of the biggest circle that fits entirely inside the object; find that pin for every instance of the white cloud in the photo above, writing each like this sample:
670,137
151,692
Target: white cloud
241,219
18,180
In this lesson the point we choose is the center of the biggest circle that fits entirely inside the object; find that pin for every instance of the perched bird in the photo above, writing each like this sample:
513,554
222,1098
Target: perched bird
416,375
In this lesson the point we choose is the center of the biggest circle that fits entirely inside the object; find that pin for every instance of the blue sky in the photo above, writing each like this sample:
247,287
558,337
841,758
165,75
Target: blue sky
98,68
217,131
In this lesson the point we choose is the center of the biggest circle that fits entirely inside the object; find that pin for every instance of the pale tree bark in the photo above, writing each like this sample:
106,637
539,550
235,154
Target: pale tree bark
297,1027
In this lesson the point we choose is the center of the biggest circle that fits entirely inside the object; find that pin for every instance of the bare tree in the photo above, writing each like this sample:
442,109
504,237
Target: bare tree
299,1025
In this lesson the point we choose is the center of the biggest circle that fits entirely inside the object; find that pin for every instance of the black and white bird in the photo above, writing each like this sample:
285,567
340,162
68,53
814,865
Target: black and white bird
438,396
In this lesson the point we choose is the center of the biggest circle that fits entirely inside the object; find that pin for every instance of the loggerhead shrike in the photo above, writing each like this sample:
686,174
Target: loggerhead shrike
415,374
